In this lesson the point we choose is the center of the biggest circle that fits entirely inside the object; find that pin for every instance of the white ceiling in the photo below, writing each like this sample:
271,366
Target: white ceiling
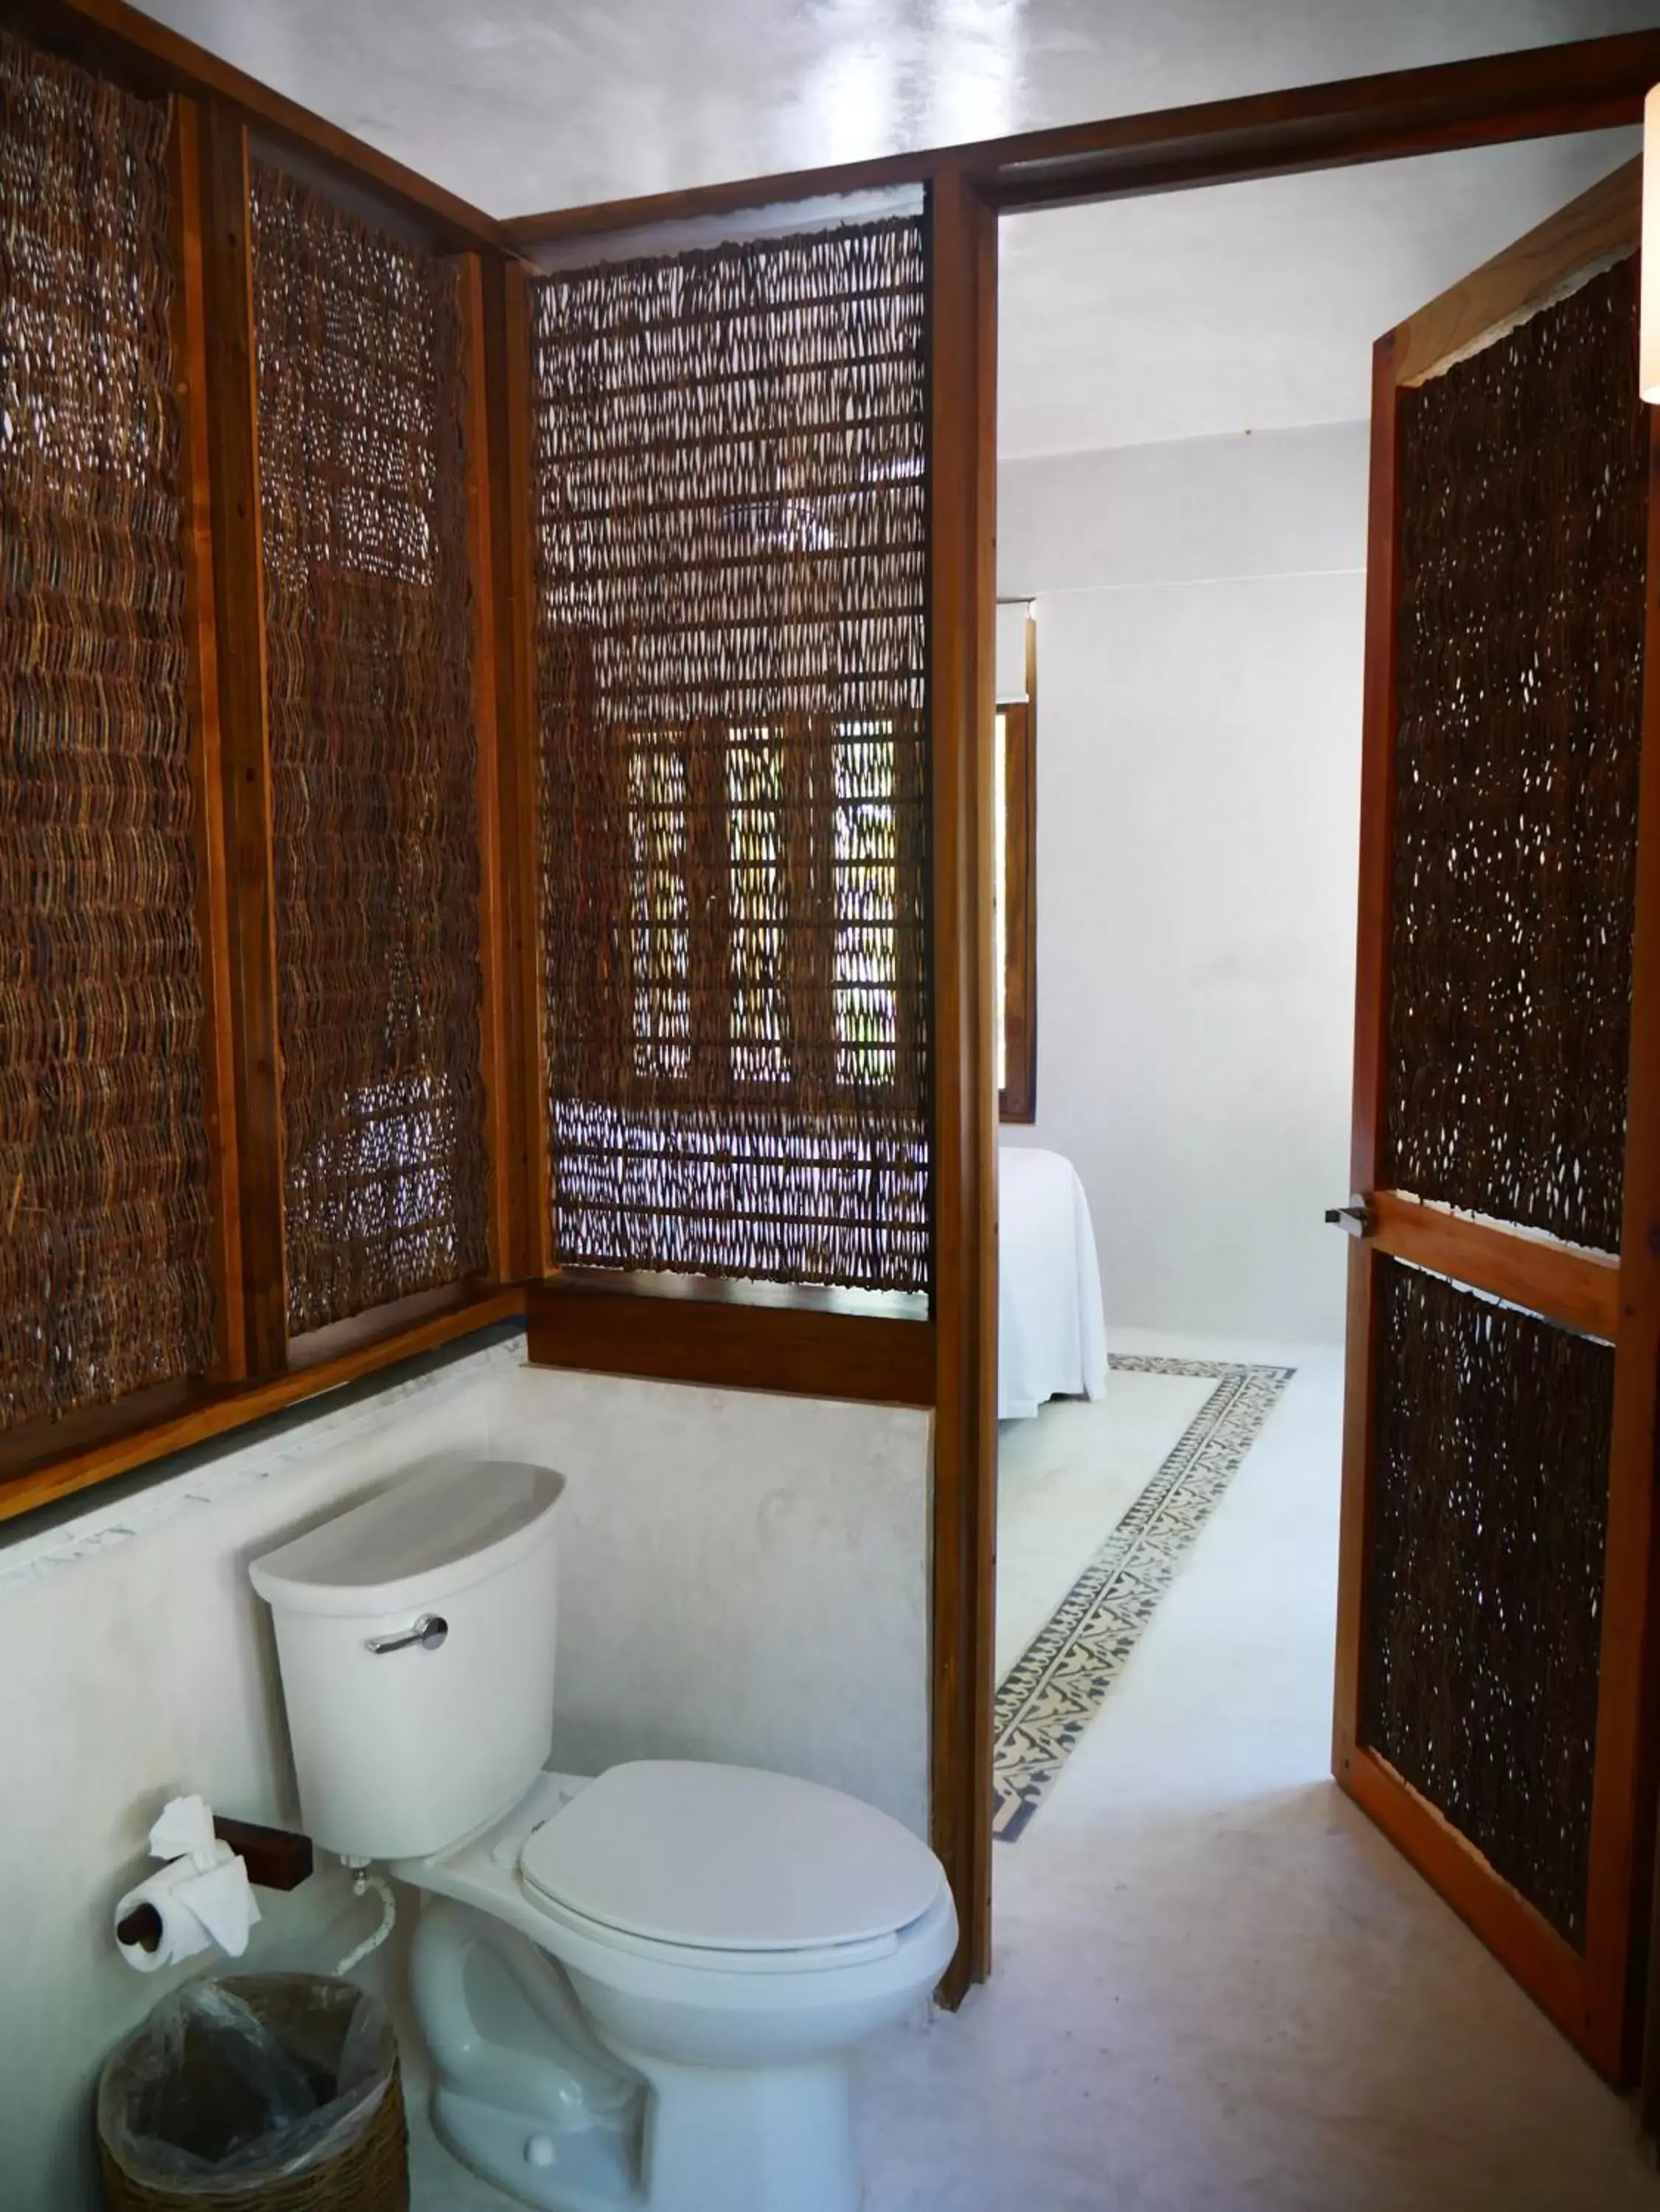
519,105
1249,306
1167,317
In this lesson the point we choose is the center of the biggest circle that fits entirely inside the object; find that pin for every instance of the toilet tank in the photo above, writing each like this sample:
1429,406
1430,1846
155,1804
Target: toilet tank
416,1638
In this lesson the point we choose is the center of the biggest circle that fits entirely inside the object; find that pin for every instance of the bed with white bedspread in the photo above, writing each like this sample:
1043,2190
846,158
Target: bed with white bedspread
1051,1339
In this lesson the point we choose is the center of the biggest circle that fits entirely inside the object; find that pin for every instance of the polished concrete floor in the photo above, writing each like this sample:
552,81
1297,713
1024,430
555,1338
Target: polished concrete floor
1217,1989
1066,1479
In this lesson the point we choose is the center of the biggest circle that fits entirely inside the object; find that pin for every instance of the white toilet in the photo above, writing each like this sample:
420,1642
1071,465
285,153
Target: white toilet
643,1990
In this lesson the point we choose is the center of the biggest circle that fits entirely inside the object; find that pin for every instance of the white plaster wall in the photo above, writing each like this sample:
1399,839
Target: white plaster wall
1200,612
774,1554
741,1577
136,1663
1271,503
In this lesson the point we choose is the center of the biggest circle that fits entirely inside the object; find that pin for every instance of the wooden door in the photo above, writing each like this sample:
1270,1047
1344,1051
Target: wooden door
1495,1707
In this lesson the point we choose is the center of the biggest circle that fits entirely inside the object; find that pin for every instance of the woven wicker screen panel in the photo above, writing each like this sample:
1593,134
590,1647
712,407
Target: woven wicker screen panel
1523,475
369,620
731,539
106,1271
1484,1576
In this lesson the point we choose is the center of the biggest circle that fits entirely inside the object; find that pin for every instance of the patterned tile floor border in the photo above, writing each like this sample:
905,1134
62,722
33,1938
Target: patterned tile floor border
1057,1687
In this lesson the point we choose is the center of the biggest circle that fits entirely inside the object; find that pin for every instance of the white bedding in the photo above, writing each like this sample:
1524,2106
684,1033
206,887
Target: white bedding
1051,1340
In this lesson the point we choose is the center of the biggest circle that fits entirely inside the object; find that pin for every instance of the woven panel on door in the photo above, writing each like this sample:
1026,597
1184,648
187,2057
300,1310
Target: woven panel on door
1484,1579
730,520
106,1272
1523,491
369,664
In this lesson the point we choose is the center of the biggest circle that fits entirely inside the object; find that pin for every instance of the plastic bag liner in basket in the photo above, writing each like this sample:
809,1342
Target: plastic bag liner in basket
245,2080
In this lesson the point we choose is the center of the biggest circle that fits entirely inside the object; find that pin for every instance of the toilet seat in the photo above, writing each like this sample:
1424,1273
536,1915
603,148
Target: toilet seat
486,1871
728,1866
703,1959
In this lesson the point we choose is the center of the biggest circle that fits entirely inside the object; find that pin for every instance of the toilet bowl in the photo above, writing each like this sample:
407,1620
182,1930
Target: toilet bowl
718,2072
642,1990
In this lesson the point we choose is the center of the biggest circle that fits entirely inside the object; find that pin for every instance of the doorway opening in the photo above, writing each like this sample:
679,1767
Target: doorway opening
1209,575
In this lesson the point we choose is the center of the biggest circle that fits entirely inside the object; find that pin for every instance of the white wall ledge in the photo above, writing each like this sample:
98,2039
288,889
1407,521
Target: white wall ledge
57,1539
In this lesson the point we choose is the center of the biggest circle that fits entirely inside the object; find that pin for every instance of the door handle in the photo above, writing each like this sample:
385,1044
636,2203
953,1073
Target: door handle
1355,1220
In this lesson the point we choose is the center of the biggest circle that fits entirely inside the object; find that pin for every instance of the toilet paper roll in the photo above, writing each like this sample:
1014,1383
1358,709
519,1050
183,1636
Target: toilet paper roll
181,1934
185,1830
182,1910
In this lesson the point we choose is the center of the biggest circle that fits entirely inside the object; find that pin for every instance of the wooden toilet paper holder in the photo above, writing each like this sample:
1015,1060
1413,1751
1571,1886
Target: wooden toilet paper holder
277,1858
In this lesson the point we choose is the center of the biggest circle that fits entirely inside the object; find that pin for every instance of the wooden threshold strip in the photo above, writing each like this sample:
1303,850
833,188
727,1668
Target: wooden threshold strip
1565,1284
49,1460
801,1349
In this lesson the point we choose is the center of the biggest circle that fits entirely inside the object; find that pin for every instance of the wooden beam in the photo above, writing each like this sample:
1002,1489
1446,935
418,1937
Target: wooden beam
207,767
962,477
240,611
53,1460
1565,1283
1371,1038
110,38
1017,1102
1623,1807
804,1351
502,1098
1599,228
507,386
1540,92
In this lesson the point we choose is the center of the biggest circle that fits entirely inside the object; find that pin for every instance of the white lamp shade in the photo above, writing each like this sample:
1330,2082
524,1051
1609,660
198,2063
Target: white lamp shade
1648,360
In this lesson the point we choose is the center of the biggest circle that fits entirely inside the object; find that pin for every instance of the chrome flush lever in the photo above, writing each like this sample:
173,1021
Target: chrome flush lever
429,1631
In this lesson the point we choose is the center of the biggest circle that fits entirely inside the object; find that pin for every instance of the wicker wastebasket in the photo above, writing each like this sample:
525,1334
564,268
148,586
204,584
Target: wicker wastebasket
256,2093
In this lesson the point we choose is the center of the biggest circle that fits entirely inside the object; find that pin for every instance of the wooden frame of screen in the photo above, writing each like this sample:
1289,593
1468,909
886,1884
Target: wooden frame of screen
1590,85
220,118
1017,1100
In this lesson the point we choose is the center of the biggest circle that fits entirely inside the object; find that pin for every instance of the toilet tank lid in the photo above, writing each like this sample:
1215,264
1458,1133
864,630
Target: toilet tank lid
439,1532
